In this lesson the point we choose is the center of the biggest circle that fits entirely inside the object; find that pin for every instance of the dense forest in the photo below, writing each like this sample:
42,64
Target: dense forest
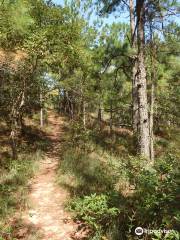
89,119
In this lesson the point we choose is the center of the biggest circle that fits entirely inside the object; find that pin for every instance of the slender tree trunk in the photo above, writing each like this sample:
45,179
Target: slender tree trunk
84,113
13,139
152,97
135,116
71,109
143,128
41,111
41,118
70,106
132,22
14,129
20,112
100,111
65,102
15,117
111,118
99,114
151,113
59,101
21,123
151,123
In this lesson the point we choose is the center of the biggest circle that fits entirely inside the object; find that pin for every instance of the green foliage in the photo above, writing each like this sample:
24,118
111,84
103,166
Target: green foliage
78,169
154,203
80,137
15,22
172,235
13,182
147,195
96,211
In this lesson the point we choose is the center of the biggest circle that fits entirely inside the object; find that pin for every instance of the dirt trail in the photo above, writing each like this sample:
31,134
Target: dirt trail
46,215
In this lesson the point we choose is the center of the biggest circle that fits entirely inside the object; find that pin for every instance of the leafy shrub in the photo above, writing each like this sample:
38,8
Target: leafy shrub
154,204
151,203
172,235
96,211
80,137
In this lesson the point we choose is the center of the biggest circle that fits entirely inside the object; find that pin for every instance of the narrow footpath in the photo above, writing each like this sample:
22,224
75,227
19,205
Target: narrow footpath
46,218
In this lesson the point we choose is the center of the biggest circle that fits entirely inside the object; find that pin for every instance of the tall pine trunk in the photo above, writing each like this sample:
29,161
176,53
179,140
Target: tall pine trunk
151,123
143,124
135,116
152,99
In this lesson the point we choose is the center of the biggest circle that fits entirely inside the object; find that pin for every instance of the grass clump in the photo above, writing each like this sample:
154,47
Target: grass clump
85,173
14,184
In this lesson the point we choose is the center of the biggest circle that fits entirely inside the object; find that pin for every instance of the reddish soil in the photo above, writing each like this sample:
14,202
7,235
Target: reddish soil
46,218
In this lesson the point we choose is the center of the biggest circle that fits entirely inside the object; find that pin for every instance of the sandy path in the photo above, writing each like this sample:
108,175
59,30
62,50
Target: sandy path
46,214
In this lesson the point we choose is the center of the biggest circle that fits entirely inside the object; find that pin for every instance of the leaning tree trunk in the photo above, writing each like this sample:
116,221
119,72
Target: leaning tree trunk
143,125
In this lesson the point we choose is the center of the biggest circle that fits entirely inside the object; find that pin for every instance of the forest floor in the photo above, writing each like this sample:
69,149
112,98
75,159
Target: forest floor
46,217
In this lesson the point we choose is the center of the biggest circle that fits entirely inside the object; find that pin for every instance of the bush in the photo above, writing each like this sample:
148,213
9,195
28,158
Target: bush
96,211
80,137
154,204
147,195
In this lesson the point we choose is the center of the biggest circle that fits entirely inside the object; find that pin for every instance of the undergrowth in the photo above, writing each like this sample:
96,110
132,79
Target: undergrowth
14,186
113,194
15,174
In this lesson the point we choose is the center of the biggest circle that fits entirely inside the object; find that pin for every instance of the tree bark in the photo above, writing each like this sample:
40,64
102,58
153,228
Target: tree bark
135,117
41,111
132,22
143,125
152,100
151,123
16,113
